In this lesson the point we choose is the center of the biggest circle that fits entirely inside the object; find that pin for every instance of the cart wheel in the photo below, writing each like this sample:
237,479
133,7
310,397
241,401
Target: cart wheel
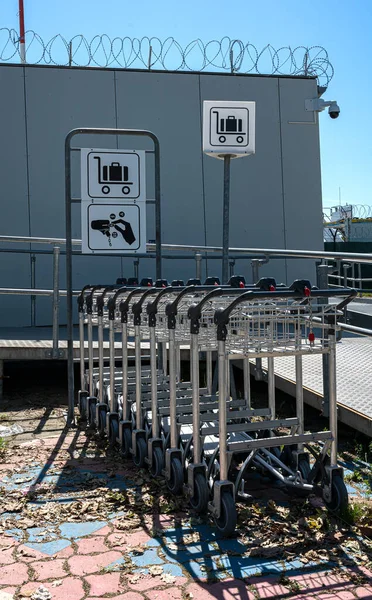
140,454
199,500
101,421
175,483
227,522
157,462
83,407
340,498
114,431
127,443
92,414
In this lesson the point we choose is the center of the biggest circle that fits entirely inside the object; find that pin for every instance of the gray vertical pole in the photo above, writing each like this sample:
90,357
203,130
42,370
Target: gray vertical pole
322,272
226,218
70,339
255,263
157,206
55,300
33,298
198,266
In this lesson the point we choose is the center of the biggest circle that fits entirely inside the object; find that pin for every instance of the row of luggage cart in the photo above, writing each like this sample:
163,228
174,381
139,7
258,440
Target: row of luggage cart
193,431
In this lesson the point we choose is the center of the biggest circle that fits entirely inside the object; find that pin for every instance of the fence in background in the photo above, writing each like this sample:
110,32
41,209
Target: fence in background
226,55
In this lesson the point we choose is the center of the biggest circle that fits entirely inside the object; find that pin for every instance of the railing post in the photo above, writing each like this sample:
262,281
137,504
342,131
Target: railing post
56,251
322,272
255,265
33,298
198,265
345,268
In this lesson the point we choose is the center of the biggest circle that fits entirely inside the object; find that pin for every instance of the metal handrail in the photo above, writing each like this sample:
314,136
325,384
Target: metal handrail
264,252
36,240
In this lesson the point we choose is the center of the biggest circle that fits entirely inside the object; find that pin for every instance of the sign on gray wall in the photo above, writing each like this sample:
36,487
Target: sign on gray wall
228,128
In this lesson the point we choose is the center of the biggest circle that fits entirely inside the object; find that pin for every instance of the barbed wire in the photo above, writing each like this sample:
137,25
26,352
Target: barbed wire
234,56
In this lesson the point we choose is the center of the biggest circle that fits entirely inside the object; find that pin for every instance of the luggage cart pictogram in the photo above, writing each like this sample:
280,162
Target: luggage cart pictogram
113,174
228,127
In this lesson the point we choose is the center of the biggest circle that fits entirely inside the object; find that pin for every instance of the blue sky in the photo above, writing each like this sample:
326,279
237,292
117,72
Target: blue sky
343,27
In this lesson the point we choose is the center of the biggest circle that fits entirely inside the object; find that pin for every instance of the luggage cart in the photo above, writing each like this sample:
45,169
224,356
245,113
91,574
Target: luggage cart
269,325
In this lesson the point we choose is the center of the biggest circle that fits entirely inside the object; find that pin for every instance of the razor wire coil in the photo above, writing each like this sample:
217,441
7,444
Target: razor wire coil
225,55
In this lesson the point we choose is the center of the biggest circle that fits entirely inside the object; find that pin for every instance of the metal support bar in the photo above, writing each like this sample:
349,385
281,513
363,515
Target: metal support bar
226,218
332,396
222,393
198,265
56,301
33,285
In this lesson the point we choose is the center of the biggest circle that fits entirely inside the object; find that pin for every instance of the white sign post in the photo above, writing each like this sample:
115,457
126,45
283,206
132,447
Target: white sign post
113,201
228,132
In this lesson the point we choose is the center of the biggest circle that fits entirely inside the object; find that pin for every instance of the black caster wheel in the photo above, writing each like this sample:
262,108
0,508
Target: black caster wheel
175,483
199,501
101,421
92,414
114,432
140,454
340,499
83,403
226,523
157,462
127,443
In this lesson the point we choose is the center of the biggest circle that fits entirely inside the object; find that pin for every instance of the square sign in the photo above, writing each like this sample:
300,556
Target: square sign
228,128
112,174
113,228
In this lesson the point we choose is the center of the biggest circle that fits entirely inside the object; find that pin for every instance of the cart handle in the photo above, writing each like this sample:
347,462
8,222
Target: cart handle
222,315
101,298
89,298
137,306
124,305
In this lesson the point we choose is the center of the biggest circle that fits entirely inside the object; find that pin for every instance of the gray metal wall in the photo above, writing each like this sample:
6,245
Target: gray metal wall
275,194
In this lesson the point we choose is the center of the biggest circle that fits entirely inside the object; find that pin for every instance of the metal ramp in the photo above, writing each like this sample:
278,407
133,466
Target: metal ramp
354,381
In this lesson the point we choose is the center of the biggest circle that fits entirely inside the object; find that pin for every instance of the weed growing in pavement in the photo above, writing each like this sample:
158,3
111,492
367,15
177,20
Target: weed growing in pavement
4,417
353,514
3,447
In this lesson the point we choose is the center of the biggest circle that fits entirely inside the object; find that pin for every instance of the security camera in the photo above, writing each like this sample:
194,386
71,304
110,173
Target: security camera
334,110
318,105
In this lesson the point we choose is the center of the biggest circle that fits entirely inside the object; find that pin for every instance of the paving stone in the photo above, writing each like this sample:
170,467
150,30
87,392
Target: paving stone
172,593
109,583
49,569
26,554
229,589
91,544
106,530
6,541
118,538
146,582
83,565
363,592
79,530
71,588
268,587
322,581
149,557
6,556
65,553
50,548
14,574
